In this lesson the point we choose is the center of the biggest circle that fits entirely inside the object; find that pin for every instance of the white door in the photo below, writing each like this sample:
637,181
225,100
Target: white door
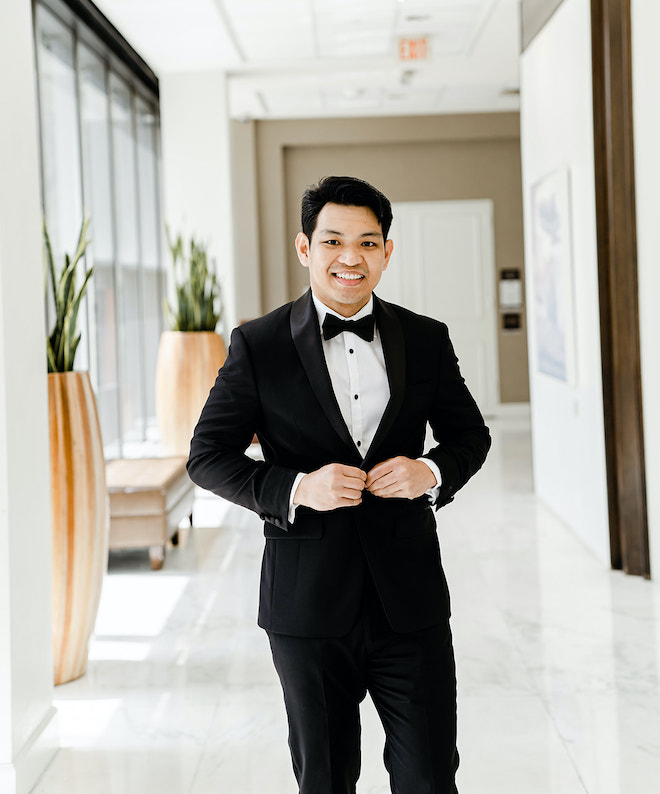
443,265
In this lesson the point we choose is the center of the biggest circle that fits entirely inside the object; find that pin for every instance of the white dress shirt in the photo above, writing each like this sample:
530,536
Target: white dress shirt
359,380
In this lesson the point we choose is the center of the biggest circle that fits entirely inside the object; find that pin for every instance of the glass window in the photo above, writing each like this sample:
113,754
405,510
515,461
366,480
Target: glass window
107,389
128,259
95,134
60,142
99,135
123,155
60,149
147,121
150,236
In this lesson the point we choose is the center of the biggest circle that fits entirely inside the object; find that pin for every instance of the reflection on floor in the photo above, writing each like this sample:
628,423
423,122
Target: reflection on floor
558,661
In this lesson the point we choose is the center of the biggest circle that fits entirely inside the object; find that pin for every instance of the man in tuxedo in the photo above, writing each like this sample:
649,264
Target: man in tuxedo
339,386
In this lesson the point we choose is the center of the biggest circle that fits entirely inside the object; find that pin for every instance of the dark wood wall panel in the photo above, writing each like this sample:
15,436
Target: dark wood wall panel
617,267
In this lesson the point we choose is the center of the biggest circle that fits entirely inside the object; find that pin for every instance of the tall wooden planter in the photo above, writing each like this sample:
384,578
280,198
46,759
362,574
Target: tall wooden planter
188,362
80,519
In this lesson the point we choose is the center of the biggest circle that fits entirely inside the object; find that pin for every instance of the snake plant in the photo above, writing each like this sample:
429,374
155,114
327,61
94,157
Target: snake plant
197,291
63,341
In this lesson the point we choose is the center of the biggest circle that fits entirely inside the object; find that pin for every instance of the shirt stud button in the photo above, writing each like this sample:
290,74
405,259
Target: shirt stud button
355,395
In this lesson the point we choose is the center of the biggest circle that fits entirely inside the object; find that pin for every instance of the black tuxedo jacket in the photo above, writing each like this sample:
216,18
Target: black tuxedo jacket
275,382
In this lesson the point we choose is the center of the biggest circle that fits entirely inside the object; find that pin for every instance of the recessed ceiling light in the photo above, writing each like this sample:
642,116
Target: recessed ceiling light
407,76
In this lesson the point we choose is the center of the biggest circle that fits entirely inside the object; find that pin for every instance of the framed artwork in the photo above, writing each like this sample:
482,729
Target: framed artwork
552,272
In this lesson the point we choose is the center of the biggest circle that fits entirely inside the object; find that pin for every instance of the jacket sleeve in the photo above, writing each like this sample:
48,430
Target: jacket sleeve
224,431
457,425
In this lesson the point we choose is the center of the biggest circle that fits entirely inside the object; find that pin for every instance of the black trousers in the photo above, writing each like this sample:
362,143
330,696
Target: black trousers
412,681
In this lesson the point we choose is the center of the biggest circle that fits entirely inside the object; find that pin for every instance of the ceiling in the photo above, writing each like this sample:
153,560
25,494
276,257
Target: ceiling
329,58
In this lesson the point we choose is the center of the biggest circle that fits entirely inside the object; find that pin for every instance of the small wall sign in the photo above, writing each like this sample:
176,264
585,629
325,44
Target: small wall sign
510,289
511,321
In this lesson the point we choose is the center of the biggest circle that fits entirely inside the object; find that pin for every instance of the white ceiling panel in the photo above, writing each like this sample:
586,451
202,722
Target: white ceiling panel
266,44
268,30
354,42
347,10
438,20
172,35
306,58
497,35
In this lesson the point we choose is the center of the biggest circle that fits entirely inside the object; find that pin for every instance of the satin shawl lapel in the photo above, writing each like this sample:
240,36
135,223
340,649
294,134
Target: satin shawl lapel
306,335
391,335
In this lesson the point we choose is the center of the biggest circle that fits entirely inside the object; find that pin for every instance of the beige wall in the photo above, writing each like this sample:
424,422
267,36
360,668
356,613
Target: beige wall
245,213
410,159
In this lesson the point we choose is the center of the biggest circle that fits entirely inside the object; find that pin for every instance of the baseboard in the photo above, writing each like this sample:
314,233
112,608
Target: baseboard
21,776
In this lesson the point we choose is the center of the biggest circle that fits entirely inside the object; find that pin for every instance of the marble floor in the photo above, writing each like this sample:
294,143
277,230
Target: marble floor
558,661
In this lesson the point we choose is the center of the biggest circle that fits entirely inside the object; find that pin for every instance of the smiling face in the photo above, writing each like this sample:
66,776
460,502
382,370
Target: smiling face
346,256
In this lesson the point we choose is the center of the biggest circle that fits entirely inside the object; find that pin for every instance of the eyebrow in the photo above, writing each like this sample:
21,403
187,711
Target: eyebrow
340,234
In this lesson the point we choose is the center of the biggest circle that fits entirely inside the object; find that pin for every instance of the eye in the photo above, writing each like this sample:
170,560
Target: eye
331,242
369,244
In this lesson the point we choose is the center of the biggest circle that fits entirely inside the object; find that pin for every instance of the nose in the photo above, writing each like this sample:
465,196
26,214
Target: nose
350,256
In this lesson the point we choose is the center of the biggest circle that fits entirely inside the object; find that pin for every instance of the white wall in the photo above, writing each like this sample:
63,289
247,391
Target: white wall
196,146
646,110
28,727
557,132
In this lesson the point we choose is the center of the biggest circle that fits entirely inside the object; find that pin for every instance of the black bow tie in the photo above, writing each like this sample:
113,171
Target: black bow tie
364,327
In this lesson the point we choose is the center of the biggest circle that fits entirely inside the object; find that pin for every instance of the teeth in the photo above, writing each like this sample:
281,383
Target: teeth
349,276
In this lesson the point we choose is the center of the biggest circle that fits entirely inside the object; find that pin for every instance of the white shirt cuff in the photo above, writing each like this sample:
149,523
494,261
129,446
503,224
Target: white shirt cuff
292,508
433,492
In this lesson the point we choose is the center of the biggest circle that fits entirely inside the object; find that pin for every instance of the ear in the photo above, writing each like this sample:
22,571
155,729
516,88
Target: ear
302,249
389,247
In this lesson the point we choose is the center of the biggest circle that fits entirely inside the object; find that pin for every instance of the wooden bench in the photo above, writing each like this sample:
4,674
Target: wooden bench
149,497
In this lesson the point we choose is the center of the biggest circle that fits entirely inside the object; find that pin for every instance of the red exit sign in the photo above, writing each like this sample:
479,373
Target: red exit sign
416,49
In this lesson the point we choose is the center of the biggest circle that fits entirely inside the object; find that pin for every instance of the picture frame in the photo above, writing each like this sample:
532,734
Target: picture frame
553,278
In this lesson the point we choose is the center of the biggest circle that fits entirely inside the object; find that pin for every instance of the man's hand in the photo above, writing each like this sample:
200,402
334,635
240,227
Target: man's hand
400,477
331,486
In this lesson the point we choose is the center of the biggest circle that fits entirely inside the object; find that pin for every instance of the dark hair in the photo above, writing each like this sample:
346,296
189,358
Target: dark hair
349,192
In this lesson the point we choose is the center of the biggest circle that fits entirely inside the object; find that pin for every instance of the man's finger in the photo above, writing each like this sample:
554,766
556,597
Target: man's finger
386,481
378,473
384,467
359,474
352,491
388,490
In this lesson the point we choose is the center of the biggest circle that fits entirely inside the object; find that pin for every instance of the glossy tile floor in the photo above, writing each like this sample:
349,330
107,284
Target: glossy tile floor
558,661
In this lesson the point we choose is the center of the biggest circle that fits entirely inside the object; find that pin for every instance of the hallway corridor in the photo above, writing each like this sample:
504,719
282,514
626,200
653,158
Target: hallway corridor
558,661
